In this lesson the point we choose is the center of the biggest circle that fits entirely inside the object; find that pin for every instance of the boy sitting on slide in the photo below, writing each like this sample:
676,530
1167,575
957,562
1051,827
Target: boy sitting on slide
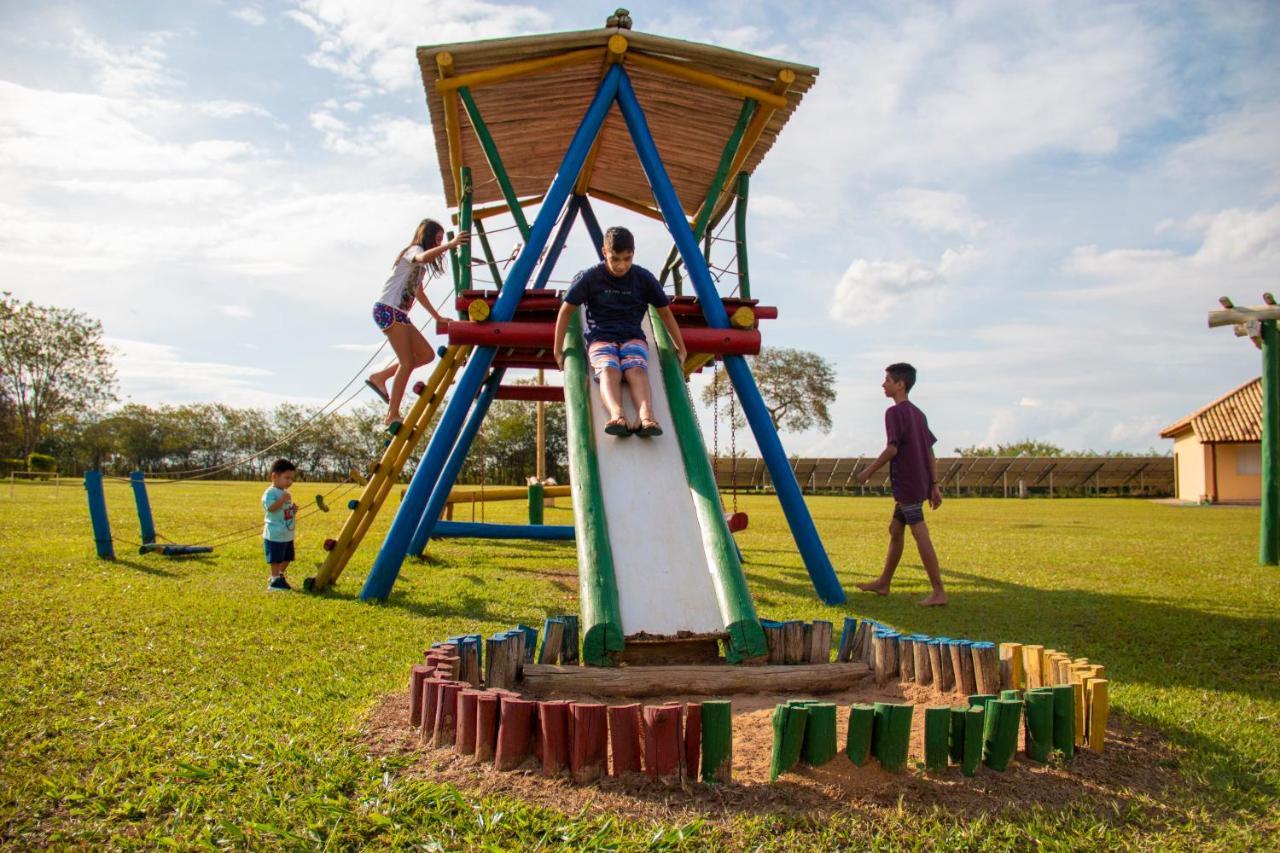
617,294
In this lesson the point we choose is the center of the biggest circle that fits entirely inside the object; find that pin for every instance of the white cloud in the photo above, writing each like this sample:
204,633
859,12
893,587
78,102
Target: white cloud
1243,141
403,140
251,15
931,211
869,290
231,109
775,207
373,44
370,347
239,312
126,70
160,373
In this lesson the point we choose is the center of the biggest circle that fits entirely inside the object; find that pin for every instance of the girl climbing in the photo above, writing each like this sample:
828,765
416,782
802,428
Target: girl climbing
416,264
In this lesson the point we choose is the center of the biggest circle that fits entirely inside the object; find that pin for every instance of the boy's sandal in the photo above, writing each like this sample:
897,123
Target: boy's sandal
617,426
381,393
648,428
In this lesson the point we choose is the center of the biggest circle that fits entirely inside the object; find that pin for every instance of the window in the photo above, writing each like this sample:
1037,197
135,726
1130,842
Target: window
1249,459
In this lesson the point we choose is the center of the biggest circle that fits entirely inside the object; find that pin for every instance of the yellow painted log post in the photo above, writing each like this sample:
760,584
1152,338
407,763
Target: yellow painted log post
1011,677
615,53
452,126
710,81
1099,710
384,470
1082,717
1031,666
695,361
743,318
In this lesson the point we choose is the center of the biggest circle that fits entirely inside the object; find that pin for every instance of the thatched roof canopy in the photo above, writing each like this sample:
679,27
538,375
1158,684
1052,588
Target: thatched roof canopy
532,118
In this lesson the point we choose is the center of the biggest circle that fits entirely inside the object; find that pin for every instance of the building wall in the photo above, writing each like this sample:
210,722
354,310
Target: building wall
1239,471
1189,454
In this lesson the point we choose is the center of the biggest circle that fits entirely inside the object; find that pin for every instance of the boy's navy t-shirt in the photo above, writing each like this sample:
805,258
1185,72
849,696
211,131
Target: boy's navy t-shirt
615,305
910,470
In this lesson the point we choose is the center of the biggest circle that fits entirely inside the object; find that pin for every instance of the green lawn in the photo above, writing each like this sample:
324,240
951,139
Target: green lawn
152,701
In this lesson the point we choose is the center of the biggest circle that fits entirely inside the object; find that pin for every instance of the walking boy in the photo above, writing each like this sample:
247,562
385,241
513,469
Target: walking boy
913,472
278,522
617,294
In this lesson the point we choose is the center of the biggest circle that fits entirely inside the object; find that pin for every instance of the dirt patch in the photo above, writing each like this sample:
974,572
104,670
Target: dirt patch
1137,770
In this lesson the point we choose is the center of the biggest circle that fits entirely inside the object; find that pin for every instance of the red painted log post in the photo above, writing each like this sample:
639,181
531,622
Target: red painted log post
624,739
692,740
430,699
662,741
515,732
446,727
553,735
417,674
589,752
465,743
486,725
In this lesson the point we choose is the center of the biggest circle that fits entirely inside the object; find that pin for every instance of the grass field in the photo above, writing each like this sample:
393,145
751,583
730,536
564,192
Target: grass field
151,701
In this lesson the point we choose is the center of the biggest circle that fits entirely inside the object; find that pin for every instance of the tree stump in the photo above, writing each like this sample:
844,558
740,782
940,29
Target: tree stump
624,739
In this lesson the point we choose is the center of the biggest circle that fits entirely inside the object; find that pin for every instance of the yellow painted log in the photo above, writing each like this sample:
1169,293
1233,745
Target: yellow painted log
1099,710
520,68
1031,657
615,52
710,81
750,137
478,310
696,361
1082,716
1011,673
452,126
498,209
743,318
626,203
503,493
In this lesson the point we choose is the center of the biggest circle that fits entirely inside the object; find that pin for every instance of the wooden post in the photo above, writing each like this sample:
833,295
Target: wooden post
692,755
1269,530
1064,719
923,669
465,743
858,735
886,645
552,641
486,726
662,741
494,159
464,224
488,253
906,659
418,673
1011,666
1099,709
789,722
716,719
960,654
515,732
587,756
848,635
1039,724
940,666
624,739
446,722
1031,666
937,731
820,734
774,637
740,229
986,667
820,642
972,749
794,650
540,438
569,651
891,735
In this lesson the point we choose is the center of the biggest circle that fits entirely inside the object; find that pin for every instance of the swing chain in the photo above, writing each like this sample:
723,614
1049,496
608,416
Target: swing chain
715,424
733,447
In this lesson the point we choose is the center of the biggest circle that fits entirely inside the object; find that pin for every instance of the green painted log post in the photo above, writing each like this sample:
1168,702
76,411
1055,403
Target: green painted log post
495,161
489,259
1269,529
820,734
973,723
891,734
453,266
598,586
1010,694
716,187
536,492
746,637
464,224
1002,742
740,231
1039,723
937,737
1064,720
857,743
957,733
717,741
981,699
789,723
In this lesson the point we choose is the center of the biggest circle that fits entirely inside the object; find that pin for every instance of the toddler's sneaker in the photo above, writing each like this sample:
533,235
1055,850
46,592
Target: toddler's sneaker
279,583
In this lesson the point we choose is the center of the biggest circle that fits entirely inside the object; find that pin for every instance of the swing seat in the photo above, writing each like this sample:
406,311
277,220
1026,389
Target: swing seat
737,521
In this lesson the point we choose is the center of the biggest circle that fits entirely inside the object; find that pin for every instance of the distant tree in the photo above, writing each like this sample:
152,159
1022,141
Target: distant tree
798,388
53,362
1026,447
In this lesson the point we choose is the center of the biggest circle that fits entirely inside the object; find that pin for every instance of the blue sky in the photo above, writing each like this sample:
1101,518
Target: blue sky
1035,203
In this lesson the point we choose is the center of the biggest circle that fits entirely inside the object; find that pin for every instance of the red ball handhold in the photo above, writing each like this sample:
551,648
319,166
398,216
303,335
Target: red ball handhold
330,544
419,387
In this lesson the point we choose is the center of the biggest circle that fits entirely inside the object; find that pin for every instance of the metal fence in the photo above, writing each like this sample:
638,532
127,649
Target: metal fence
1005,476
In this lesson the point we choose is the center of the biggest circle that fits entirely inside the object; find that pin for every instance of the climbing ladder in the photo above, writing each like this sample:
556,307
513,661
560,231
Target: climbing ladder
384,473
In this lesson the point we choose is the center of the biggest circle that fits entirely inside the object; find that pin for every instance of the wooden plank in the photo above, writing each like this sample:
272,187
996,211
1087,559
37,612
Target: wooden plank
695,680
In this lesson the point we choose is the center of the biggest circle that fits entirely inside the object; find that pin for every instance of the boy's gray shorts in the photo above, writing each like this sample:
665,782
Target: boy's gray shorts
908,514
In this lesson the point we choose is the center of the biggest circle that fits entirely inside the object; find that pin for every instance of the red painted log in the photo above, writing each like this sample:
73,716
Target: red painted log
549,301
662,742
486,725
538,336
525,361
430,699
515,732
417,674
451,664
692,740
737,521
624,739
465,743
446,728
553,734
588,753
532,393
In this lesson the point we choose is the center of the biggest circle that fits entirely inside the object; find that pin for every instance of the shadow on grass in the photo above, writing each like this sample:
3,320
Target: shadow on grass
143,567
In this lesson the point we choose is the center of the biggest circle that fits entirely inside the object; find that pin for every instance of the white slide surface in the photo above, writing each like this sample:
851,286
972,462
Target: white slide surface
664,578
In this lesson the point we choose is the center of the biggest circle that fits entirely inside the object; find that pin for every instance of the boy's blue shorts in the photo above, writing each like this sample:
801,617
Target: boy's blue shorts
278,552
908,514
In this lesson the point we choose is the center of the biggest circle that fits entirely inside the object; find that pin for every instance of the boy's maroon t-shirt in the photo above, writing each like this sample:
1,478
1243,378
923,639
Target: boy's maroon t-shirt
910,471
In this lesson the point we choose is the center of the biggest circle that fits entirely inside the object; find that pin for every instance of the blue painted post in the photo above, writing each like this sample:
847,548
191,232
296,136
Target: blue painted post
386,567
483,530
784,481
593,224
98,515
140,499
458,457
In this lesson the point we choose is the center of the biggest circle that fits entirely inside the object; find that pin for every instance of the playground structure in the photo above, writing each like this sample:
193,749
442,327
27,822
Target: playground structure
149,543
1258,323
665,128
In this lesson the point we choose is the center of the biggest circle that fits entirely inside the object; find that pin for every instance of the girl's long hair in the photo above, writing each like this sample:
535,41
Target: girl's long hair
429,231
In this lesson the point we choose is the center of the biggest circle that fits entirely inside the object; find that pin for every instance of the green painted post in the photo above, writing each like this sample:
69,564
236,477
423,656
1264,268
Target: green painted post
858,736
494,160
536,492
937,737
453,266
740,234
464,224
1269,530
488,253
717,741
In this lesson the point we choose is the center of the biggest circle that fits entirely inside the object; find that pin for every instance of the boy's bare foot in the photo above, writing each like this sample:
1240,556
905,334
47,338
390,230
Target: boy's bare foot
935,599
874,586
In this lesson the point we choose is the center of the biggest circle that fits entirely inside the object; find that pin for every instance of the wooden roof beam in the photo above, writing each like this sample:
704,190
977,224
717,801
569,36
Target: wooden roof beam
512,70
626,203
614,54
452,126
499,209
711,81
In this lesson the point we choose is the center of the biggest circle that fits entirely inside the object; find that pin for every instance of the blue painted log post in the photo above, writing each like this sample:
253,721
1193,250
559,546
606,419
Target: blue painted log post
803,530
147,525
489,530
386,566
98,515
